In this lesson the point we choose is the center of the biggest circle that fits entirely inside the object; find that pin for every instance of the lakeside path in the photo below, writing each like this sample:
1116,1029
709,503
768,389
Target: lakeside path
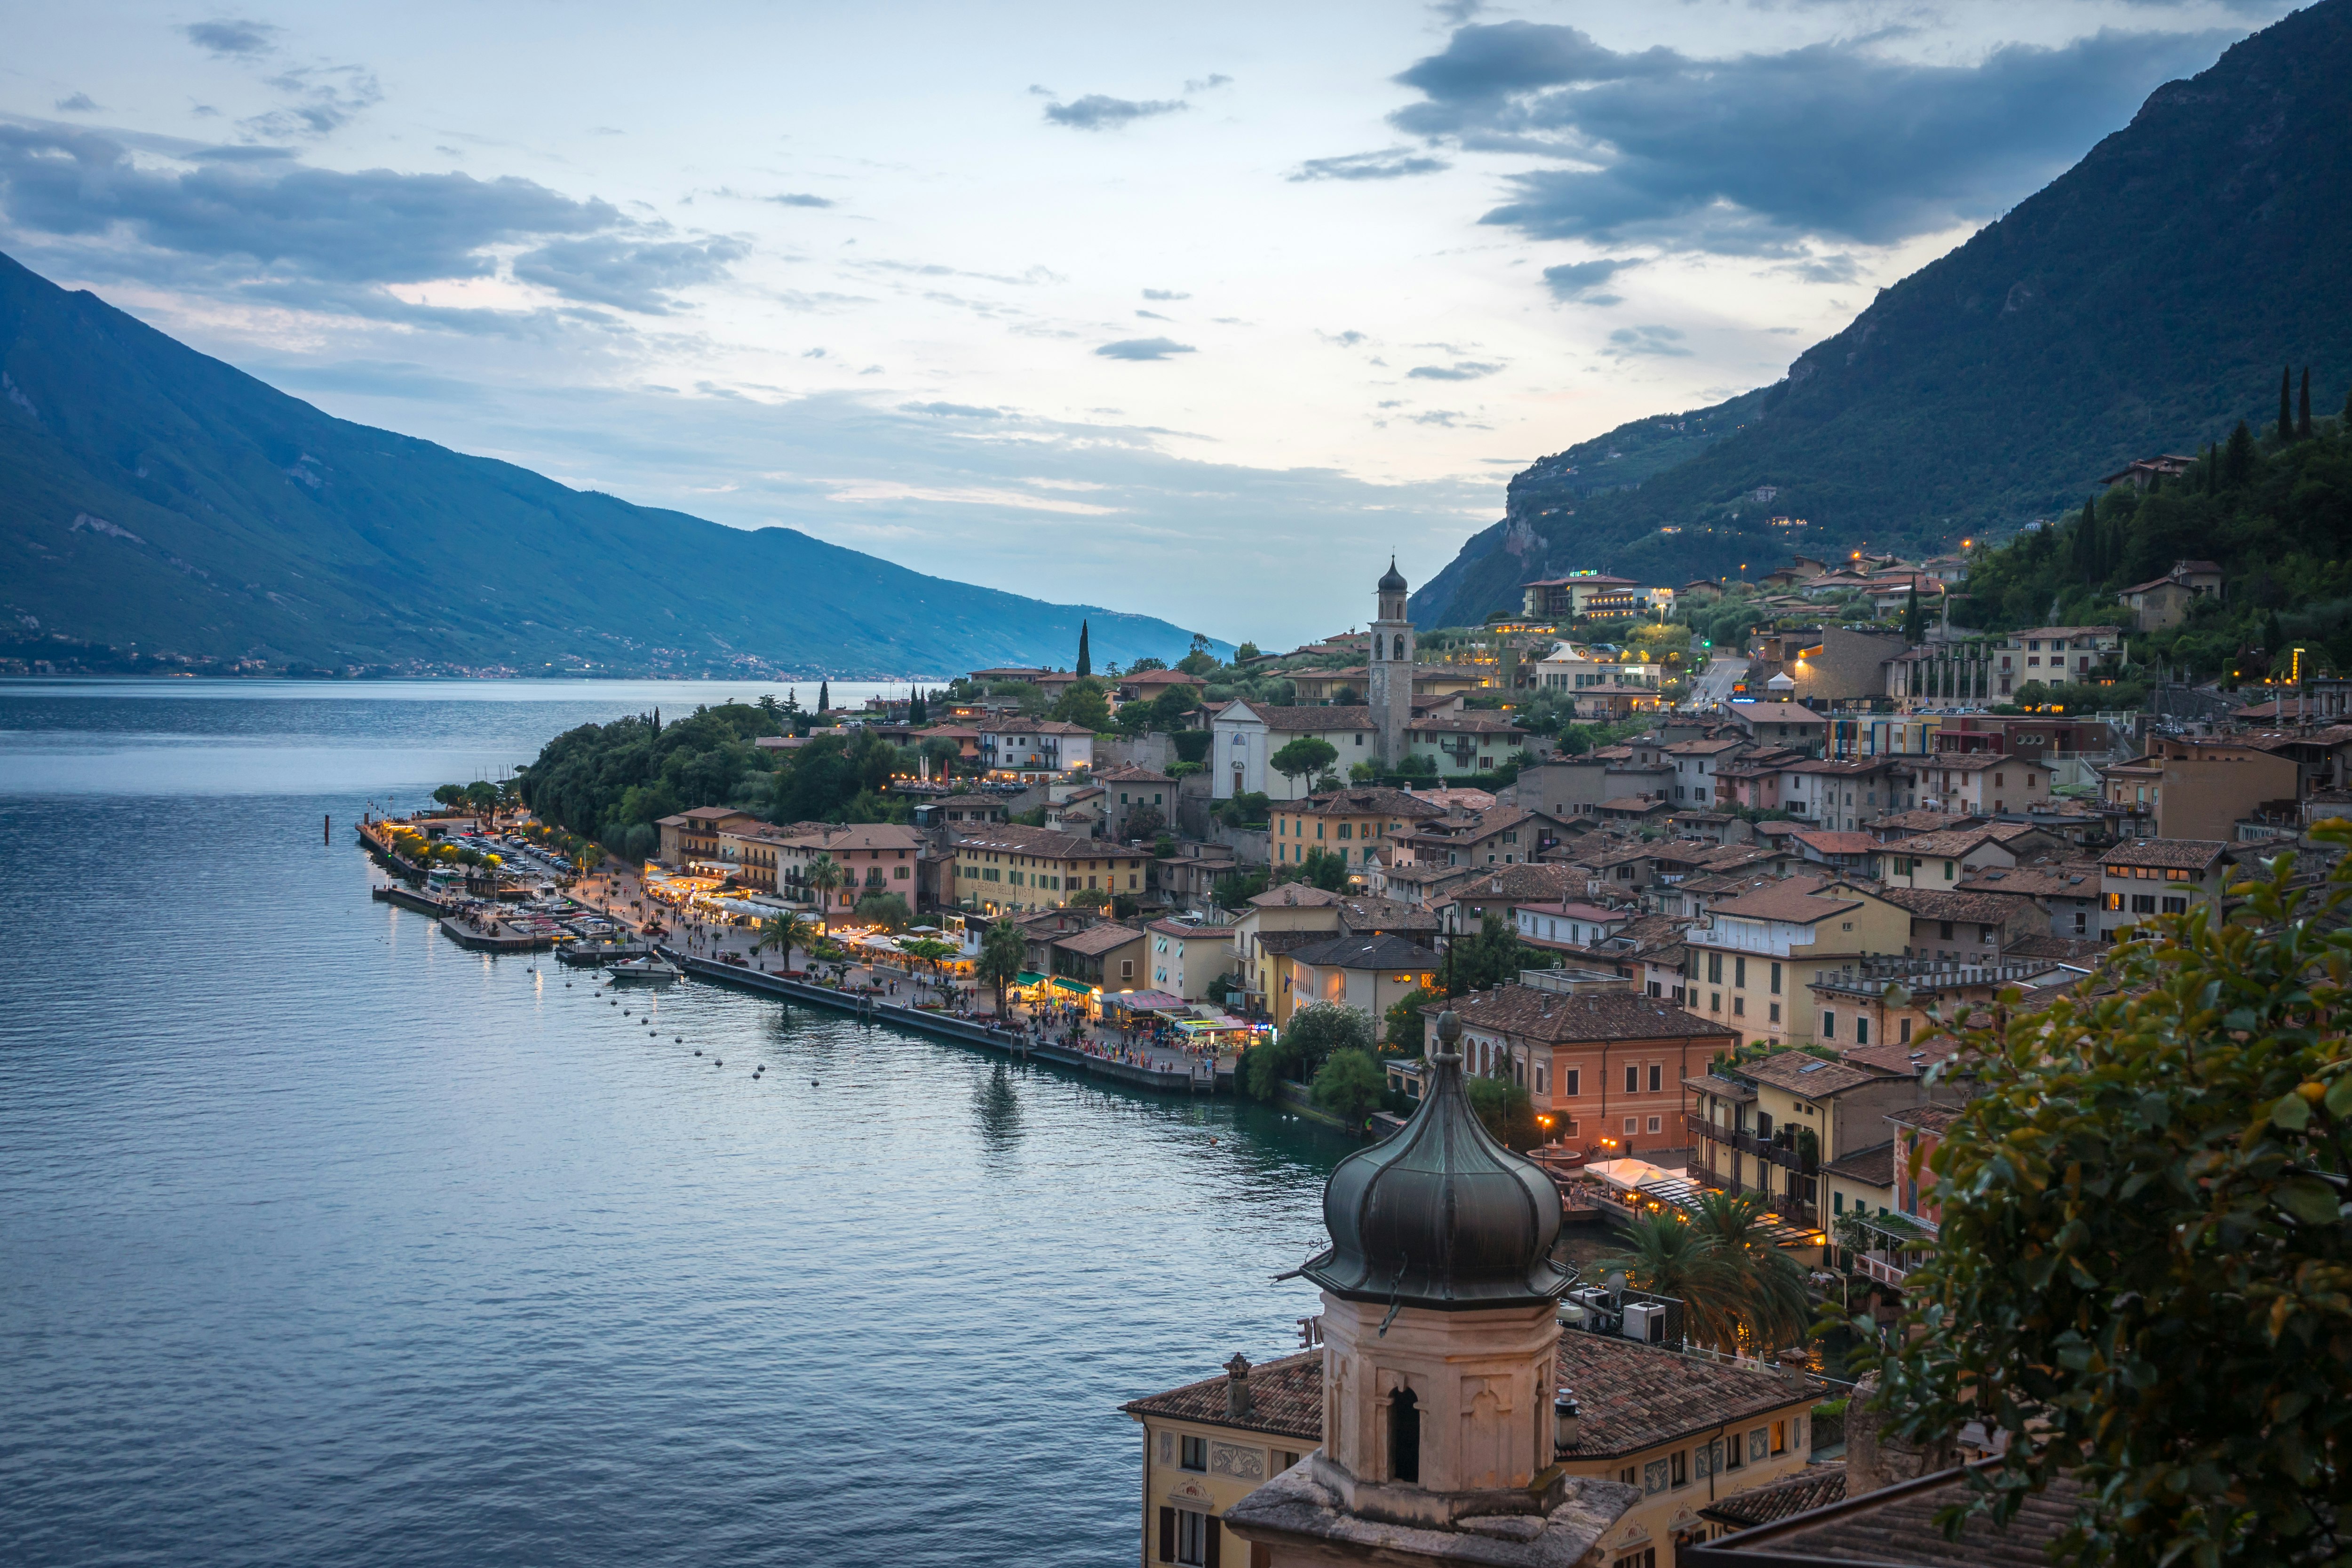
618,894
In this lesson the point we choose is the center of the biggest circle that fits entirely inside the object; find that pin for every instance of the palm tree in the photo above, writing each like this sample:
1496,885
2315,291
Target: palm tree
1004,953
784,932
1771,1282
825,876
1666,1255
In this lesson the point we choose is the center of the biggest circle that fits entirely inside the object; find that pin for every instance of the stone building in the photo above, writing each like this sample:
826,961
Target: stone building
1390,684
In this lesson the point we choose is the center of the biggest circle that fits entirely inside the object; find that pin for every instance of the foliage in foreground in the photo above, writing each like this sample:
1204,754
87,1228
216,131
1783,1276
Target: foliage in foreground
1738,1292
2144,1267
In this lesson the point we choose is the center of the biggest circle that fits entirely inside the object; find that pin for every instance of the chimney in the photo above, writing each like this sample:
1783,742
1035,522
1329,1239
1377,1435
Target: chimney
1567,1423
1238,1404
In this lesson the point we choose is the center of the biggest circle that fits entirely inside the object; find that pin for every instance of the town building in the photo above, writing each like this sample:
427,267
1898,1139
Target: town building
2145,877
1603,1067
1188,957
1007,869
2195,788
1587,594
1949,856
1769,1124
1695,763
1987,785
1128,794
693,835
1844,796
1110,956
1463,740
1356,824
1750,964
2162,603
2055,654
1247,736
1789,726
1031,748
1370,972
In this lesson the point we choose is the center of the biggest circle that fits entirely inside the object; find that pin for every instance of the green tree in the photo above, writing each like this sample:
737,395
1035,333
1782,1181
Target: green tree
1666,1255
784,932
888,910
1494,957
824,697
1084,703
1350,1085
1145,822
823,877
1003,955
1362,773
1315,1033
1773,1307
1304,756
1508,1111
2144,1269
450,794
2238,457
1408,1029
2303,408
1247,650
1086,665
482,795
1323,868
2287,412
1089,899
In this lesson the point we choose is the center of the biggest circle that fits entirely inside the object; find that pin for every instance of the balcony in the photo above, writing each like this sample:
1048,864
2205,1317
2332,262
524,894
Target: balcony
1886,1273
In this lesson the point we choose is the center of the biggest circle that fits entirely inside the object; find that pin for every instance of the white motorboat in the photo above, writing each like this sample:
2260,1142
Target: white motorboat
650,967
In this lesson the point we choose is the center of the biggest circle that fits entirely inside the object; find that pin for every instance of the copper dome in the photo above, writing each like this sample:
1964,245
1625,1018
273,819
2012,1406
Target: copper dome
1441,1216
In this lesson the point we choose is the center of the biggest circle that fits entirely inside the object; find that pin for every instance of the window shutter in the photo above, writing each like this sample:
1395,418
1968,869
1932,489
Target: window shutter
1168,1535
1216,1530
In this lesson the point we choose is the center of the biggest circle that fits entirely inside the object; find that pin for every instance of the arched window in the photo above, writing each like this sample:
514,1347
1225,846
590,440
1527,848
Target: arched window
1404,1437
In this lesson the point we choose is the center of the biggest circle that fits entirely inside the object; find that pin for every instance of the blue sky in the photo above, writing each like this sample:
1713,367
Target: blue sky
1197,310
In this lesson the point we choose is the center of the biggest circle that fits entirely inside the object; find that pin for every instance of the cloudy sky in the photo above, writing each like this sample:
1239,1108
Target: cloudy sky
1196,310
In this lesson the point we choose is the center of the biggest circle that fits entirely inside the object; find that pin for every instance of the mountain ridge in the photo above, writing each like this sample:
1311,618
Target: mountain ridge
2143,301
155,501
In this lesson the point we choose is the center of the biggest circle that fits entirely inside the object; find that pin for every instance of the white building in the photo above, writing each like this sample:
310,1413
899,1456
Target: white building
1247,736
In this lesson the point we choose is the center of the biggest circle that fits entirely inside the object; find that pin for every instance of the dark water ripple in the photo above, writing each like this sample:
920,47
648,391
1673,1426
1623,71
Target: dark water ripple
324,1241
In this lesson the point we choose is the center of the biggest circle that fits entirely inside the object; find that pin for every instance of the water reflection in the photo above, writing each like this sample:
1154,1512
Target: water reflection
998,1113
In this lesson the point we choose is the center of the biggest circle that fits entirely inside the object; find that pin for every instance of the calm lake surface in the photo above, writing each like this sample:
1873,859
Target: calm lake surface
323,1241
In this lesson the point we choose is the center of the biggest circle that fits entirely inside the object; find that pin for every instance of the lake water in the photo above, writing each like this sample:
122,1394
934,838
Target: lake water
323,1241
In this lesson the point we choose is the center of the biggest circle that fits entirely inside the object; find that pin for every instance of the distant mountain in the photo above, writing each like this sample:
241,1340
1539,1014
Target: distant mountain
156,498
2143,302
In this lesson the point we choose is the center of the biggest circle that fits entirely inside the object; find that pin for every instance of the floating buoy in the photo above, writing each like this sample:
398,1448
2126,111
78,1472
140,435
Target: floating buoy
698,1053
715,1062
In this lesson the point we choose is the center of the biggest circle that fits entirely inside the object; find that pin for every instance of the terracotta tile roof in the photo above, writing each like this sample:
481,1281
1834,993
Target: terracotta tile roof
1926,1118
1133,774
1313,720
1721,1087
1011,838
1364,803
1384,914
1874,1166
1708,748
1895,1528
2066,879
2065,948
1815,1486
1774,713
1290,941
1378,951
1802,1072
1784,902
1897,1060
1286,1399
1908,823
1295,896
1830,843
1553,1017
1634,1396
1634,804
1984,907
2183,854
1957,841
1096,941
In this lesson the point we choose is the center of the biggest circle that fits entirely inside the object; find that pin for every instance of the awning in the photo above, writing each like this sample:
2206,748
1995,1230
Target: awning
1062,982
1026,978
1145,1001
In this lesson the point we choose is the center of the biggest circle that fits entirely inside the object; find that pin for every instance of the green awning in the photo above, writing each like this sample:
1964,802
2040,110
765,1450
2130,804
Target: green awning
1080,987
1026,978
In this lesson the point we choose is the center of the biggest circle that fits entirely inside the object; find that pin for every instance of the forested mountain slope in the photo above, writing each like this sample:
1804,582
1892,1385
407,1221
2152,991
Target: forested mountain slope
151,496
2143,301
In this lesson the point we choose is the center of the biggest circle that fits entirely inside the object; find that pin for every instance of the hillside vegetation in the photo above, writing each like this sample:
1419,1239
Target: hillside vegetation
2134,304
152,497
2275,511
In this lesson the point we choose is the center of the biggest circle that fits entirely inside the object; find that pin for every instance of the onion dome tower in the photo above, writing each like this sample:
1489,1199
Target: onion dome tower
1441,1217
1442,1412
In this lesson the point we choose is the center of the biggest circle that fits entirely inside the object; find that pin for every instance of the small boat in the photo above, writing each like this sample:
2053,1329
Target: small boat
646,968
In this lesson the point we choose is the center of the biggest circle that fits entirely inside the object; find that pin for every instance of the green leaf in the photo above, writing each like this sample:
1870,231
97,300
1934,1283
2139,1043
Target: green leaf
2311,1202
2292,1112
2339,1096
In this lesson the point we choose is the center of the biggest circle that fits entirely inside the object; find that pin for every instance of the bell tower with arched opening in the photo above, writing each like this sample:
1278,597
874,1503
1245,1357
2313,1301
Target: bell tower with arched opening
1390,681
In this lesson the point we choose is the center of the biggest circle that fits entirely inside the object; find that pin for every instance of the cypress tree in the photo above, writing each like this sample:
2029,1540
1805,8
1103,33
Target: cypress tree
2238,458
2303,408
2212,468
2087,543
1086,660
824,695
2286,396
1914,625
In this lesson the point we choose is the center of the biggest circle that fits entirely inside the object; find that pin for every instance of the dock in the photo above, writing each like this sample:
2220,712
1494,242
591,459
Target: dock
947,1026
409,899
497,939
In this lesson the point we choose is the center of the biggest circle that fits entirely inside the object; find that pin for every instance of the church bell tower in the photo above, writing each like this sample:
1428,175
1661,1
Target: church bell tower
1391,680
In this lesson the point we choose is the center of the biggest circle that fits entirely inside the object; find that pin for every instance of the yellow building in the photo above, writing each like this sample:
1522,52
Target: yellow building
1774,1126
1353,823
1006,870
1685,1432
1750,967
